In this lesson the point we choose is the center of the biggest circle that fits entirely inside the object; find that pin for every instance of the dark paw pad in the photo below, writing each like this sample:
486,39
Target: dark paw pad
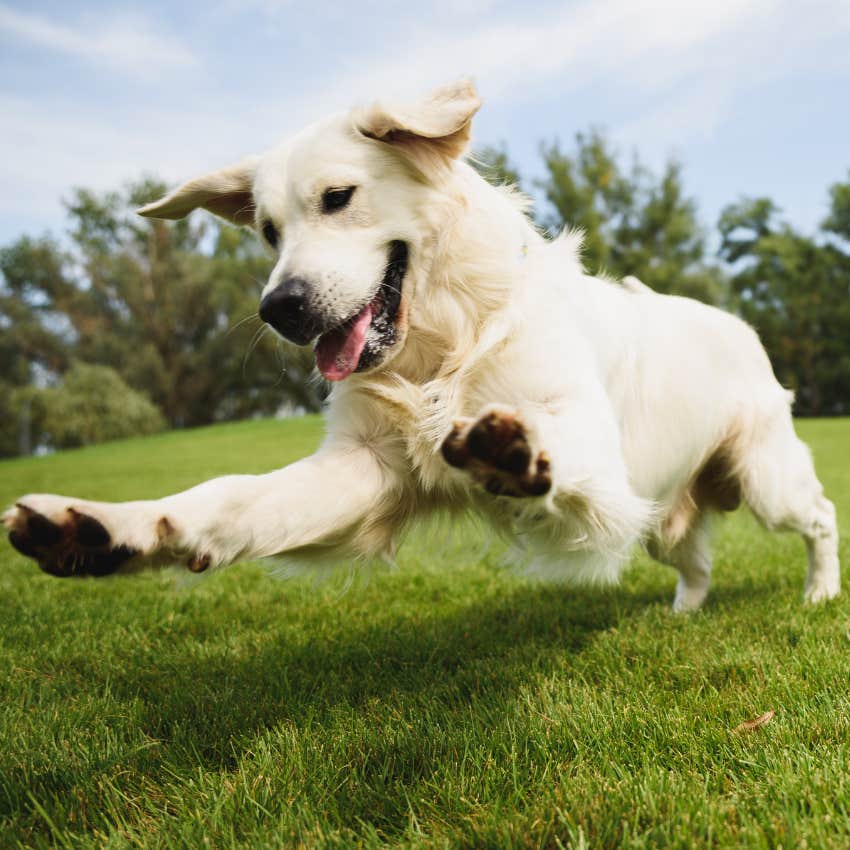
454,449
79,546
496,452
88,531
40,530
199,563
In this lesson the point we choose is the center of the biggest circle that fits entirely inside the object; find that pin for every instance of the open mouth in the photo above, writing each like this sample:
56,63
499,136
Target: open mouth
359,343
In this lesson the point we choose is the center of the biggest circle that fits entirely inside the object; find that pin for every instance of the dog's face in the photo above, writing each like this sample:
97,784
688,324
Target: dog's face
340,206
341,216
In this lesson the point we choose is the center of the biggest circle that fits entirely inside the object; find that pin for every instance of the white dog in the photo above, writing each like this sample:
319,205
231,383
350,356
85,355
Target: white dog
476,365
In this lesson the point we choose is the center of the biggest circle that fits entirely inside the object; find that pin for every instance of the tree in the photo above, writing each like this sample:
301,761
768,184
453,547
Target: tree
91,405
838,220
171,307
633,223
35,294
795,290
32,343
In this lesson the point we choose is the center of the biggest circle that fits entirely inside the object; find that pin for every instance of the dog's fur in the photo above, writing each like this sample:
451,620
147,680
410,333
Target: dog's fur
580,415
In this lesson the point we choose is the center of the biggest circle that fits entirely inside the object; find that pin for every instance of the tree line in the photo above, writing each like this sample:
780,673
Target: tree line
132,325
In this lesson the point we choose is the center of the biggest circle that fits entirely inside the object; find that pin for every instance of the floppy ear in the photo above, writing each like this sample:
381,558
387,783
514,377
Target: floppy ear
432,132
227,193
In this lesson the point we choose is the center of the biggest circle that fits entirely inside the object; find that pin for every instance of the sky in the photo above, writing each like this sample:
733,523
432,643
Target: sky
751,96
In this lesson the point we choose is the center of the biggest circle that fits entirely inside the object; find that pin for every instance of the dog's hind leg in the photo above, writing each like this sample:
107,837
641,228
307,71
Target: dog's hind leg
691,556
779,484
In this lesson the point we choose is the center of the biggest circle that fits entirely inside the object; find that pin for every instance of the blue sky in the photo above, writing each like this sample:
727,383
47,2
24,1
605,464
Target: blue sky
752,96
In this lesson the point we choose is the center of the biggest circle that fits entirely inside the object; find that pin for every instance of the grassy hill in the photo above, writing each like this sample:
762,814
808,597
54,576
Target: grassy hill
444,704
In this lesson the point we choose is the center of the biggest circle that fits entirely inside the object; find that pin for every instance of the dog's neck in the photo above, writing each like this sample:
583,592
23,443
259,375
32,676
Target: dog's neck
471,266
473,262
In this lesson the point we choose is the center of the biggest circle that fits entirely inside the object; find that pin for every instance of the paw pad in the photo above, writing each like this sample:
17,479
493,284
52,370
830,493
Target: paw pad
79,546
496,452
199,563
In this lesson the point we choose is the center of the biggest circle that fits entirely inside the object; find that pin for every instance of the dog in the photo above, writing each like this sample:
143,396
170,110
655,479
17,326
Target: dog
475,366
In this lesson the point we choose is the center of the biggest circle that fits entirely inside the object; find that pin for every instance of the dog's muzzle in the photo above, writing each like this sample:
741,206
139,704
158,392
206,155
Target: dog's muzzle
287,309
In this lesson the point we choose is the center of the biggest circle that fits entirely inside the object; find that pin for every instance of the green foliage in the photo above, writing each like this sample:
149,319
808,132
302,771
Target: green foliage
838,220
795,290
36,296
171,307
93,405
634,223
442,704
175,306
11,412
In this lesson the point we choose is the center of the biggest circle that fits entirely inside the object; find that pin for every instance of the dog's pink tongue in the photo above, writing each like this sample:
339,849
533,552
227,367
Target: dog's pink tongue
338,351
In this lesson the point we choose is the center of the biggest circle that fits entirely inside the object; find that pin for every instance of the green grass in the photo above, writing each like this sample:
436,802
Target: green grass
444,704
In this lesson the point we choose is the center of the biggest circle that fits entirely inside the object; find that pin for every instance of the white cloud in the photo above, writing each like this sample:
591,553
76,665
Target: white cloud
695,94
47,149
265,7
689,59
127,44
694,113
681,64
571,45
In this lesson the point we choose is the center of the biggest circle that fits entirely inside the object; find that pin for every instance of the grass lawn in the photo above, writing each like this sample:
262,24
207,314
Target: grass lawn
446,704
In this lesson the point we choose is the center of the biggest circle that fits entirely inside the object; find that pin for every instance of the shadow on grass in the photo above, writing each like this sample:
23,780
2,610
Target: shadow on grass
481,651
464,665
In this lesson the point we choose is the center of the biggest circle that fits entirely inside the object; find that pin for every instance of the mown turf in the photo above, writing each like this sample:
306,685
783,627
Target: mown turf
445,704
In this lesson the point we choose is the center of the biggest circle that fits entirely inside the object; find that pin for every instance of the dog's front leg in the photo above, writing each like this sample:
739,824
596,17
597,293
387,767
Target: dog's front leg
320,500
557,473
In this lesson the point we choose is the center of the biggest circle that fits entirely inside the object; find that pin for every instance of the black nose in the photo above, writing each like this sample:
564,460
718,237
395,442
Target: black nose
287,309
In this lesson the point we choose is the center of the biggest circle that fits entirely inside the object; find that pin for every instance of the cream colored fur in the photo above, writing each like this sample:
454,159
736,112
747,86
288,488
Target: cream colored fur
630,393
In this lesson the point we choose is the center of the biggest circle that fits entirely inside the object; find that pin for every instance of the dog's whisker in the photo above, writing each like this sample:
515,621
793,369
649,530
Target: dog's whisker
279,351
241,322
255,341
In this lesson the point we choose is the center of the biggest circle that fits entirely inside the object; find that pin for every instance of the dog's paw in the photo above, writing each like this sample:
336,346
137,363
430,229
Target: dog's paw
821,591
64,540
495,451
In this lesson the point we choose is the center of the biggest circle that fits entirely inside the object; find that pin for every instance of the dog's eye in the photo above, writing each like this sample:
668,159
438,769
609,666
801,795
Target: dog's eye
336,199
271,234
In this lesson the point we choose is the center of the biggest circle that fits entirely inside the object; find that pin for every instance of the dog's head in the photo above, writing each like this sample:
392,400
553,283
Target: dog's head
342,207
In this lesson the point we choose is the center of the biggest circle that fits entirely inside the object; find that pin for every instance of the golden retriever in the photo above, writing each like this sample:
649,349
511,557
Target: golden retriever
475,365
